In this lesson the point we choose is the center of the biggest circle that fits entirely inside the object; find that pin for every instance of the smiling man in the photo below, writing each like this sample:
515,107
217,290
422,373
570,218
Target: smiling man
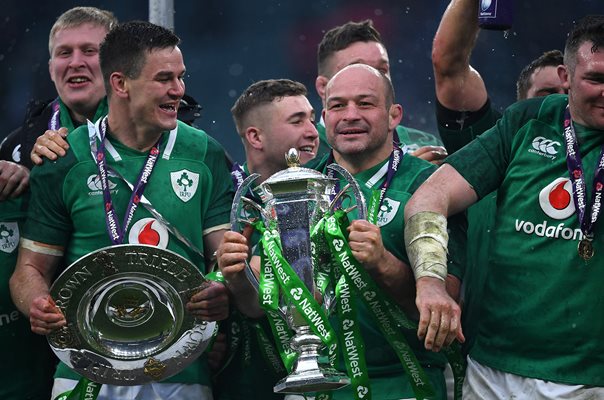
74,68
539,335
360,117
271,117
181,170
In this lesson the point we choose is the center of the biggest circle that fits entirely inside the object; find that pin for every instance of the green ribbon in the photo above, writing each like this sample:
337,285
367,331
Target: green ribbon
84,390
351,340
296,292
268,294
458,367
270,354
382,309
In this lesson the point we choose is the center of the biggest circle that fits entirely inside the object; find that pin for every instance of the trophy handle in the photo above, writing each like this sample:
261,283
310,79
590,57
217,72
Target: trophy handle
352,185
238,202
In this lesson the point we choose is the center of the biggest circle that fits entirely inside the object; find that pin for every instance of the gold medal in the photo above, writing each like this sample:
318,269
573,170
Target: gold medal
585,249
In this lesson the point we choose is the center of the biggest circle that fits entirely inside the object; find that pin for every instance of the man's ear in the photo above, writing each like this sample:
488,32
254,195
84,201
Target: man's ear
564,75
320,85
253,135
395,115
119,84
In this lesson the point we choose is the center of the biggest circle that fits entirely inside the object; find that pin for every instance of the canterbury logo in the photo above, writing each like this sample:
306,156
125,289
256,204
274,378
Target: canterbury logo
546,146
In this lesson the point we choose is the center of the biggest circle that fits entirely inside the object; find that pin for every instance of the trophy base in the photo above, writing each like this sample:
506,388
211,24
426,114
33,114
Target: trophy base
312,381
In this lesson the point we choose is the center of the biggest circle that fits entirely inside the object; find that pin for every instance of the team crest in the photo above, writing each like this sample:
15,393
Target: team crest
184,183
9,236
388,211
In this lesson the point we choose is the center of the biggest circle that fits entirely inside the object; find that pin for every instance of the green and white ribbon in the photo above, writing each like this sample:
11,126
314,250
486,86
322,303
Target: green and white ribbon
381,308
269,300
84,390
296,292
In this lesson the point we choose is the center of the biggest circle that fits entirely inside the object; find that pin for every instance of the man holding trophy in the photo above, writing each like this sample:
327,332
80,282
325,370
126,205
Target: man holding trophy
360,116
138,155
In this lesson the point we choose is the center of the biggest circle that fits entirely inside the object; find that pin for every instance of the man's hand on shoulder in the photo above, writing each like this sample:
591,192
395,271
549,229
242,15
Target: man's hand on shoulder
51,144
14,179
434,154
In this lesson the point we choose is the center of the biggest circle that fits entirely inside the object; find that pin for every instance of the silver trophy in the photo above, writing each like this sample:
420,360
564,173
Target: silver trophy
126,317
295,199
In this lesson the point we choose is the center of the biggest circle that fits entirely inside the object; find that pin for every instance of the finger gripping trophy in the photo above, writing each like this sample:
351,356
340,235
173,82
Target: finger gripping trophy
289,208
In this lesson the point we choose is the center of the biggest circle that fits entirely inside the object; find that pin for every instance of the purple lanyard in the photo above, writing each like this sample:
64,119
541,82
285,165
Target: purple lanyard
116,234
577,178
54,123
393,163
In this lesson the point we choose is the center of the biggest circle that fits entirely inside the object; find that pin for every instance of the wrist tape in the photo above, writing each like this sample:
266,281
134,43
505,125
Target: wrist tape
426,241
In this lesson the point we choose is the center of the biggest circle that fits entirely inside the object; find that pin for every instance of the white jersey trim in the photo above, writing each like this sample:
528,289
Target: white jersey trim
37,248
170,145
216,228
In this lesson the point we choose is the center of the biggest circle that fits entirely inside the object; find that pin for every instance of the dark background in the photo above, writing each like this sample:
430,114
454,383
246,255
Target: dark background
228,44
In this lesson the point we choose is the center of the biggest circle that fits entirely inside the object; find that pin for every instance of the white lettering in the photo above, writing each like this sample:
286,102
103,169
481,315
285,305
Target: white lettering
545,230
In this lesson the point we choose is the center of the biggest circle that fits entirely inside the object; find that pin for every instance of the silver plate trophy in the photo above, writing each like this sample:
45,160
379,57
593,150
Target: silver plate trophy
126,317
295,199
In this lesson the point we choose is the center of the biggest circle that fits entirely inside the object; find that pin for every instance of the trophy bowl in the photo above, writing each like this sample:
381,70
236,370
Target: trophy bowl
294,200
126,317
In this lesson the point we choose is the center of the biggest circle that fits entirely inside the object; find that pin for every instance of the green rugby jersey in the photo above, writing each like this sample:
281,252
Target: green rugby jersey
388,378
541,314
26,356
190,186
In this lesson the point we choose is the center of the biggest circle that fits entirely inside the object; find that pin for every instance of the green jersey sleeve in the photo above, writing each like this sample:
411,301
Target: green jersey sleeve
484,161
48,219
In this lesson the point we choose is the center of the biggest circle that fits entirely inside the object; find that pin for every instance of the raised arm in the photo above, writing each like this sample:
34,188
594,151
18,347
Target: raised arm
459,87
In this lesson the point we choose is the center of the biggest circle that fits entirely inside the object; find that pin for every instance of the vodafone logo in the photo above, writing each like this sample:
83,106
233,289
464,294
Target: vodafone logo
556,199
149,231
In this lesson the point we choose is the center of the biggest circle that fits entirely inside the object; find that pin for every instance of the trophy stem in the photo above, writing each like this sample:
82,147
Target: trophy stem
308,373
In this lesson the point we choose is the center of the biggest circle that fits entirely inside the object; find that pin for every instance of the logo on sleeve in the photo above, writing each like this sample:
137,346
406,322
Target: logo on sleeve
17,153
9,236
94,184
184,184
545,147
149,231
388,211
556,199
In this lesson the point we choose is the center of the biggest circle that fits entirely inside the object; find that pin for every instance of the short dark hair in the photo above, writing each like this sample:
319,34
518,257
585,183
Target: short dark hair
588,29
341,37
125,46
551,58
263,92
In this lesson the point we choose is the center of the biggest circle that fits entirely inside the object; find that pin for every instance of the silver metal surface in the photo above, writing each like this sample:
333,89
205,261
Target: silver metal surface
295,200
126,317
